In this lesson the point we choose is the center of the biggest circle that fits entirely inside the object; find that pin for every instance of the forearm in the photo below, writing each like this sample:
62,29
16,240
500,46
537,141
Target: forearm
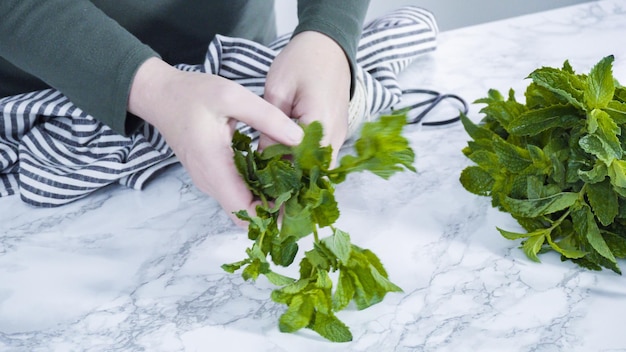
74,47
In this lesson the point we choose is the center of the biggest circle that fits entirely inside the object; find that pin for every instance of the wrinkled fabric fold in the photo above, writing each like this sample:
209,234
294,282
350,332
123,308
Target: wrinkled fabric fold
53,153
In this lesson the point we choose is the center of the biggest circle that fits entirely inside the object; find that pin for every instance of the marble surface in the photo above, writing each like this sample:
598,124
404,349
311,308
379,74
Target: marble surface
126,270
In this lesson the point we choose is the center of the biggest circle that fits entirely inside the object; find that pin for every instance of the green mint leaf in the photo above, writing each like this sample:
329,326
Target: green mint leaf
309,153
298,315
276,151
284,250
278,279
504,112
619,190
321,199
253,270
542,163
620,93
297,221
278,177
608,131
327,210
617,111
257,225
244,158
366,292
533,122
284,294
320,258
369,278
256,252
381,149
383,282
532,246
566,247
621,215
600,87
477,180
586,226
577,159
617,243
241,142
339,244
510,156
617,173
279,202
333,329
600,261
516,235
345,291
475,131
324,283
603,141
567,67
493,95
487,161
563,84
531,208
603,200
538,97
597,174
231,268
587,263
535,187
595,145
371,258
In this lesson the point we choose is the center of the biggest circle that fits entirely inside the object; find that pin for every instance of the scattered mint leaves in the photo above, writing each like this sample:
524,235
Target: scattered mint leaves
298,184
556,163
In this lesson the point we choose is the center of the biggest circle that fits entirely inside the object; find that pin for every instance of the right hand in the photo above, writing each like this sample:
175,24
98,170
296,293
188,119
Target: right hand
196,113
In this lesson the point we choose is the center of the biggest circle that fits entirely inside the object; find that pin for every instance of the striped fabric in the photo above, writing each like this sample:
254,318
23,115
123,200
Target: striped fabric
53,153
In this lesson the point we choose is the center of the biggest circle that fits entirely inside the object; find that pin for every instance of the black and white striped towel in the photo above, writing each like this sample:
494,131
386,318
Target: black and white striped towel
52,153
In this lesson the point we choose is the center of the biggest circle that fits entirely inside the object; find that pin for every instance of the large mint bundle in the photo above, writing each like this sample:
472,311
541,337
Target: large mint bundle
556,163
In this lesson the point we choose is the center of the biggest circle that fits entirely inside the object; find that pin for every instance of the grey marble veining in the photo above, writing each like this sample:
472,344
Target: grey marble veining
127,270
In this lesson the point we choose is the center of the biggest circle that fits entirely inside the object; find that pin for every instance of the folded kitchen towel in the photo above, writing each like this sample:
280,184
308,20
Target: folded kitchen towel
53,153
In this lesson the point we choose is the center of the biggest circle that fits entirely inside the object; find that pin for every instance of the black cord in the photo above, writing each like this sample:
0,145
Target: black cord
431,104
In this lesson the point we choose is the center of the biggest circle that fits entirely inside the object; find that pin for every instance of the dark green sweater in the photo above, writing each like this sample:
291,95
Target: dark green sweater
91,49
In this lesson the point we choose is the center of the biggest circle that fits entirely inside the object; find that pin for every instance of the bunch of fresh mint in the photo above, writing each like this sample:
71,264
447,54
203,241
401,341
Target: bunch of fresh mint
557,163
296,188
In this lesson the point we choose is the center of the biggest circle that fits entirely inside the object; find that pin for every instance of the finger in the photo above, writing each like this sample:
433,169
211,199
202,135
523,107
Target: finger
232,192
265,141
280,99
335,128
263,116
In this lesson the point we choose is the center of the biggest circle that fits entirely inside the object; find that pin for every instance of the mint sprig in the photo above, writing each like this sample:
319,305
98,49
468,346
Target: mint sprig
297,183
556,163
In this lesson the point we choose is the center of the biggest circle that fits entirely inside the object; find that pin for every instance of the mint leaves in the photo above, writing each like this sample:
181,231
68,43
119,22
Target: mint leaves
296,183
556,163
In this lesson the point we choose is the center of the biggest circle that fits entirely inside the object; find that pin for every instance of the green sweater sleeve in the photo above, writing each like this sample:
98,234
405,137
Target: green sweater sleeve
61,41
75,47
340,20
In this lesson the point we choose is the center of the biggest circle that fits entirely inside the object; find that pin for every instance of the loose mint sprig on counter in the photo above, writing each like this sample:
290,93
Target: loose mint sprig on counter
556,163
297,182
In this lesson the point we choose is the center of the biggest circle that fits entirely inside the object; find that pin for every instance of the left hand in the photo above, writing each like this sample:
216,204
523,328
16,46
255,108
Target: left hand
310,80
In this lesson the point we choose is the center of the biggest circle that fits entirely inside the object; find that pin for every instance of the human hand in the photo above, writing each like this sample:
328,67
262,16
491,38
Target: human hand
309,80
196,113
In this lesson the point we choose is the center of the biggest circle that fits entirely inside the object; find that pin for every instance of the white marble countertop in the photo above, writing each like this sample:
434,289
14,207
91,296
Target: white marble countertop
126,270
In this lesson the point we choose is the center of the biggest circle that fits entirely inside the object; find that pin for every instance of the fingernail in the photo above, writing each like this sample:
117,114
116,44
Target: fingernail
295,133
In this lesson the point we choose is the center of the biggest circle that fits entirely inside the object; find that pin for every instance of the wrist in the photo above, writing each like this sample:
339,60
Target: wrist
147,90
